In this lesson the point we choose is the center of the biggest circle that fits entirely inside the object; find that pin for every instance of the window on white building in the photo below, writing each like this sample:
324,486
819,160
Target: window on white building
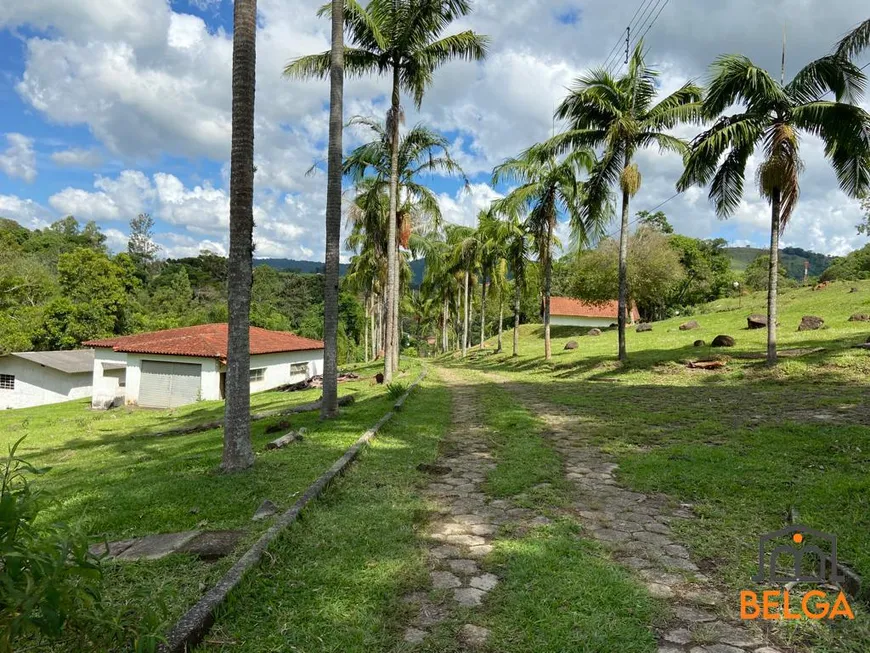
258,374
298,368
7,382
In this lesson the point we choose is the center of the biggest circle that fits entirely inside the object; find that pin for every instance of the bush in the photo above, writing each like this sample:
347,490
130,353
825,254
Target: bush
396,389
51,584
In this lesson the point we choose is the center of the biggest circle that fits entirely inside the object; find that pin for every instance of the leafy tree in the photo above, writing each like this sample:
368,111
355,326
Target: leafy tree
852,267
654,272
771,118
756,275
237,453
402,38
657,221
864,226
465,252
707,267
618,115
141,245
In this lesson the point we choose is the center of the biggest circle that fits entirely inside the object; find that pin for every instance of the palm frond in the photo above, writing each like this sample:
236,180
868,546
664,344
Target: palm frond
735,79
856,41
833,73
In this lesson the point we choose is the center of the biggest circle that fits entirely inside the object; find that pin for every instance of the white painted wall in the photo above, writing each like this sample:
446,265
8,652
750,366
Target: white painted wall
568,320
36,385
108,383
210,379
277,368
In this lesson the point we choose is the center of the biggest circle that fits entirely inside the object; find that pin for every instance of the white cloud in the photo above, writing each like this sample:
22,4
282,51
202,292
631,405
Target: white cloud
77,158
24,211
116,240
19,159
122,198
464,206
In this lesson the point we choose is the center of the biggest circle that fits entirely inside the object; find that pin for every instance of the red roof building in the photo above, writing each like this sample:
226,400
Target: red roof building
575,312
204,341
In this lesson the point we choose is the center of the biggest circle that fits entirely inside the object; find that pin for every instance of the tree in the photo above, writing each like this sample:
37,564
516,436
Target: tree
852,267
756,276
618,115
238,453
465,251
855,42
549,187
654,272
141,245
657,221
516,241
329,405
864,226
402,38
771,118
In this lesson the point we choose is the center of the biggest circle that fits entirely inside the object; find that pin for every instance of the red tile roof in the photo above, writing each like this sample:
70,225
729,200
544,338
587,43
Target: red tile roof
567,306
204,341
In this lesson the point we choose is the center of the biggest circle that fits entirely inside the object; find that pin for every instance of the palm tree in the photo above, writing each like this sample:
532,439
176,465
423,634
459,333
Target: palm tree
329,404
465,248
402,38
489,234
855,42
772,116
618,116
547,188
237,453
516,251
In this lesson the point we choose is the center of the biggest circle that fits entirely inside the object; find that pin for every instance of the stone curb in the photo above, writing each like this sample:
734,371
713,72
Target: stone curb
195,623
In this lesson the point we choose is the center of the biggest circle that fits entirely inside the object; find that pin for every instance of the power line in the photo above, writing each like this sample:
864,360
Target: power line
646,22
613,56
637,219
653,20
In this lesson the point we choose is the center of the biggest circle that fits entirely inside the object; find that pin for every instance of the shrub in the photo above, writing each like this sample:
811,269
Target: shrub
51,584
396,389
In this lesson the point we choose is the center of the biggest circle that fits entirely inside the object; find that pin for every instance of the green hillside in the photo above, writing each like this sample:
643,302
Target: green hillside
793,258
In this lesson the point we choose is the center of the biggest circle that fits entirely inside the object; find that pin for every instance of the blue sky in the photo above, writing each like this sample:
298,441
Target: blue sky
112,107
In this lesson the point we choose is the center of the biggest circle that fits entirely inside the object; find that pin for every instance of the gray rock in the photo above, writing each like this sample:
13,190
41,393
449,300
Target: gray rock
723,341
688,326
266,510
212,545
699,343
860,317
414,635
756,321
154,547
468,596
462,566
444,580
484,582
643,327
571,344
811,323
593,332
473,636
659,591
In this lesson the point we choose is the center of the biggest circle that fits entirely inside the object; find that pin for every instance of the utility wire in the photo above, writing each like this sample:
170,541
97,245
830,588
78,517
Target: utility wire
613,56
648,19
653,21
637,219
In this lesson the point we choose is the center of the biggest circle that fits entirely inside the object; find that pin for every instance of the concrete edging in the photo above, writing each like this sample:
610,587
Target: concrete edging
196,622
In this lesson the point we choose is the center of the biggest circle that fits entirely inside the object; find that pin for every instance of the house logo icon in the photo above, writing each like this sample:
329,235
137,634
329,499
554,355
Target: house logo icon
811,558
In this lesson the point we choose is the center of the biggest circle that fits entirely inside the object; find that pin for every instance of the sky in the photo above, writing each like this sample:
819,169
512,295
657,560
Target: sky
111,108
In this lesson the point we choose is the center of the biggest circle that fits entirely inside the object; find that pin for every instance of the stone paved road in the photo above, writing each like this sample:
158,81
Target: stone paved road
636,527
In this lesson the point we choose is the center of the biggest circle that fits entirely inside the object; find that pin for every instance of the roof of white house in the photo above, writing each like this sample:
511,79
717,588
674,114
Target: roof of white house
205,341
77,361
570,307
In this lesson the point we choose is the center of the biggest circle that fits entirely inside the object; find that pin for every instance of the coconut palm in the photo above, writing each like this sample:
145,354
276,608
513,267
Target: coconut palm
771,118
855,42
549,187
237,451
329,404
465,251
618,115
516,253
402,38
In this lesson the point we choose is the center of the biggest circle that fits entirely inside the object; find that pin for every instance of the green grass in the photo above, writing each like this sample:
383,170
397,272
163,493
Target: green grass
110,478
333,582
745,444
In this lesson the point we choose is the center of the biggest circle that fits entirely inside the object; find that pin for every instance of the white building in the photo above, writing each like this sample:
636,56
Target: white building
165,369
36,378
566,311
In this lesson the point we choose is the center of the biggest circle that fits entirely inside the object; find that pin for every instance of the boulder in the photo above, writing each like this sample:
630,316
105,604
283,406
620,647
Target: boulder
853,289
688,326
593,332
643,327
723,341
571,344
821,286
379,378
756,321
860,317
699,343
811,323
266,510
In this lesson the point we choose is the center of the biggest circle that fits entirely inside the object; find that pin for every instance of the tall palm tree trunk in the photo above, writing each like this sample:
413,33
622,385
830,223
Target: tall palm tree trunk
237,452
483,310
500,320
548,282
465,316
773,272
517,293
623,275
329,405
445,317
397,317
392,290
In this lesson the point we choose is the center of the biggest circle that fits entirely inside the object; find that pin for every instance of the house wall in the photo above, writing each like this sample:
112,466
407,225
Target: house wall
210,379
36,385
277,368
570,320
108,385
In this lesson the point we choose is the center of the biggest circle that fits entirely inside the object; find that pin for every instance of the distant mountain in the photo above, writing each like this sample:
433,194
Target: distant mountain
314,267
793,258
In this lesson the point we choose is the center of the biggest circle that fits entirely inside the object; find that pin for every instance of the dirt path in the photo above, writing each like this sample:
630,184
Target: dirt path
636,528
466,523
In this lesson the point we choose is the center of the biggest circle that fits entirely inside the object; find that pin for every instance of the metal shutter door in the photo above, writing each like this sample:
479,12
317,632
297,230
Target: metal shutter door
167,385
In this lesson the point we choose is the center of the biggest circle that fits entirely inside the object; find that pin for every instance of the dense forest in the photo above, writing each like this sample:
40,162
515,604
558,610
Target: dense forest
60,286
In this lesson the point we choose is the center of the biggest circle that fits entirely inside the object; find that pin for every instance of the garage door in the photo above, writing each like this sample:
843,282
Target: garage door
167,385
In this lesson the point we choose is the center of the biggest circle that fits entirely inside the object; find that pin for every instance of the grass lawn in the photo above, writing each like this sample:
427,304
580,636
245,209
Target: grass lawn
111,478
745,444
